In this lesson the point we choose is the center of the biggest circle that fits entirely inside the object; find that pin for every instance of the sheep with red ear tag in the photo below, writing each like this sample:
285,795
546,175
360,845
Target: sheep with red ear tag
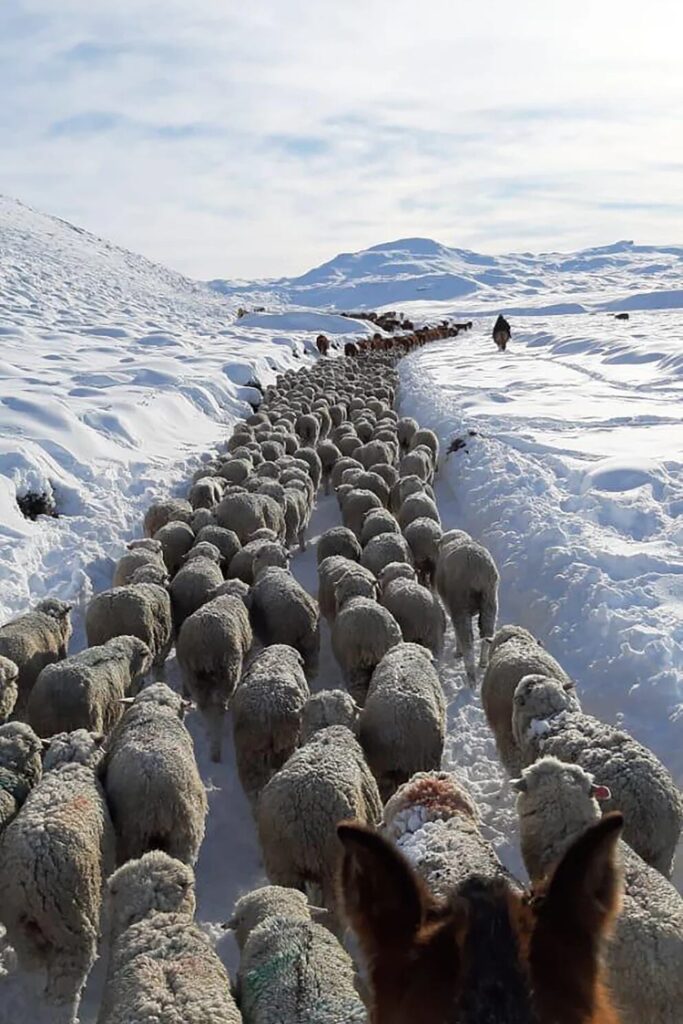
556,803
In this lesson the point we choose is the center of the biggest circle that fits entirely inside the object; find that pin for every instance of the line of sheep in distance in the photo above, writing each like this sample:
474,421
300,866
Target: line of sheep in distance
101,797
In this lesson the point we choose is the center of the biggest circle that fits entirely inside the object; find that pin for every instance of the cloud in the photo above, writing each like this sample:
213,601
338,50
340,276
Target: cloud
253,140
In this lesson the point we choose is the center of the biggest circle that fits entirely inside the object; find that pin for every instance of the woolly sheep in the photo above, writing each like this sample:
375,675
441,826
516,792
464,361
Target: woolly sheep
145,552
377,521
201,518
545,720
191,587
349,445
211,647
292,969
176,539
374,452
207,492
383,549
467,583
388,473
297,515
54,859
418,612
34,640
150,751
405,429
161,964
330,571
235,471
427,438
204,549
247,513
417,463
556,803
435,823
315,467
405,486
362,633
402,726
162,512
9,690
417,506
283,613
346,462
85,690
21,767
329,454
514,653
338,540
424,536
325,708
226,541
396,571
308,428
138,609
357,503
324,782
266,715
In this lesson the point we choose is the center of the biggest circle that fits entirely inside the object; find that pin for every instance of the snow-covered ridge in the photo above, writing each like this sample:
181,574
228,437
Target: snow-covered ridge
115,375
420,271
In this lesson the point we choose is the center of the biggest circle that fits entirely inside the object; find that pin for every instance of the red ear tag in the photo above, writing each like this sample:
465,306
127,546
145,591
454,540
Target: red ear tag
601,793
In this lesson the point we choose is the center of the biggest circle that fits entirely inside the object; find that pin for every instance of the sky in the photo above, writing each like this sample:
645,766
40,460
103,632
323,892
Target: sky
257,139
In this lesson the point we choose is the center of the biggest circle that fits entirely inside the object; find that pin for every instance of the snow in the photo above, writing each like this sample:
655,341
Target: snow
117,376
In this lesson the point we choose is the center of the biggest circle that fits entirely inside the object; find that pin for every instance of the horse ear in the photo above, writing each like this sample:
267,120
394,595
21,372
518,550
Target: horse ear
383,899
586,884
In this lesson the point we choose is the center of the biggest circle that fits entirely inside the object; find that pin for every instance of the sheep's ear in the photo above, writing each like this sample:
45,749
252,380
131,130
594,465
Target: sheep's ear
127,701
187,705
601,792
519,785
568,685
45,744
383,899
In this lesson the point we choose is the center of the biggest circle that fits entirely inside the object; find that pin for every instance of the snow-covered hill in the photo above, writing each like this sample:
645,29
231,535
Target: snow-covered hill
115,375
421,272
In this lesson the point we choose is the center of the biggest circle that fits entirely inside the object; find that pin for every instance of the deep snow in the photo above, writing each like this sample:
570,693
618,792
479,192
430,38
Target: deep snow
116,375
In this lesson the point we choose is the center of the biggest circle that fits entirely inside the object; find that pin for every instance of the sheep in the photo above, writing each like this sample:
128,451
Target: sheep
545,720
467,583
388,473
310,457
207,492
556,803
272,553
84,691
417,506
150,751
204,549
402,726
424,536
291,968
349,445
140,552
162,512
192,585
201,518
9,690
308,428
138,609
435,823
377,520
374,452
176,539
234,471
297,514
21,767
406,428
346,462
266,715
338,540
34,640
513,654
362,633
226,541
383,549
417,610
324,782
329,454
357,503
330,571
54,858
328,707
428,439
161,964
417,463
211,647
282,612
246,513
406,485
371,481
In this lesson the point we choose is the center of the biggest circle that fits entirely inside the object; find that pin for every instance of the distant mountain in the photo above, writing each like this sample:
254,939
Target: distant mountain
422,271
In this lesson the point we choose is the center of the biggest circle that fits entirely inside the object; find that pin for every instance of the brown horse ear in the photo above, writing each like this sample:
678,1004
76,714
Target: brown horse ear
585,887
383,899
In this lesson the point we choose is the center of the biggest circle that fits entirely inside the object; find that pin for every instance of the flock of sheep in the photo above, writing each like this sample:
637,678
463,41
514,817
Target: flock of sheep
103,827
